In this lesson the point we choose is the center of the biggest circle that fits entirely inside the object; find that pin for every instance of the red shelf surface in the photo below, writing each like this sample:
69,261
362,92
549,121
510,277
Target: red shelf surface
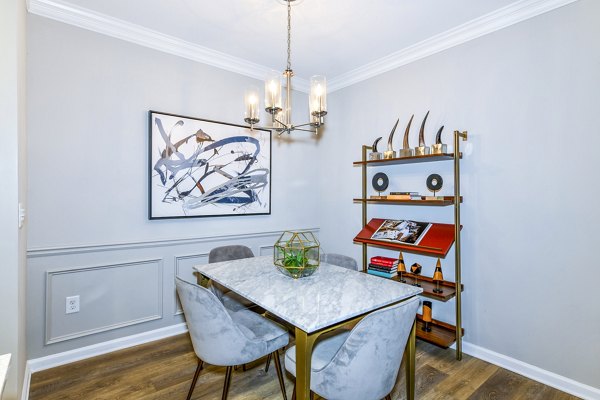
436,242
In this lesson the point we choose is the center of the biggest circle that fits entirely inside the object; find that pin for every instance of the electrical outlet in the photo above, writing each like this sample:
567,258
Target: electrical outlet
72,305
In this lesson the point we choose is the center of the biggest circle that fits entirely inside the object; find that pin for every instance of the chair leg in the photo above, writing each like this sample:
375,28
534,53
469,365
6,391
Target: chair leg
268,362
388,397
312,395
227,382
195,379
279,373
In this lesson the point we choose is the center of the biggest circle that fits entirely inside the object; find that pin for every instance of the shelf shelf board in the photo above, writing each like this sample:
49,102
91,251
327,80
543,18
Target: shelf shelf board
408,160
438,203
442,334
436,242
427,284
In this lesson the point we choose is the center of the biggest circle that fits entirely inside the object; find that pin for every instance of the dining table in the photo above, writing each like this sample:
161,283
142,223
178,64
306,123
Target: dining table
330,298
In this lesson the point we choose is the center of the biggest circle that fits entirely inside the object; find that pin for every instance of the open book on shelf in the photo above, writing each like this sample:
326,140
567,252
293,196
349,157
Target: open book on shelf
434,239
401,231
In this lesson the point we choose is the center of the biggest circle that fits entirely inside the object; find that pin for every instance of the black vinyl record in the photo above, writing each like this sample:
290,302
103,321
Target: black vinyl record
434,182
380,181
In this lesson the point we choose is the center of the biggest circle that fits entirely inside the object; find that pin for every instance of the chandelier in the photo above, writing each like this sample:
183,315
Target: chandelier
281,114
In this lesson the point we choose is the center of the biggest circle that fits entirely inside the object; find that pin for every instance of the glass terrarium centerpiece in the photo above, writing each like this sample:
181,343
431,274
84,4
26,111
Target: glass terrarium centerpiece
297,254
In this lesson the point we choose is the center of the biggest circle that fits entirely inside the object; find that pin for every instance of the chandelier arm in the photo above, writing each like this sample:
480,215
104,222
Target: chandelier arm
276,120
308,123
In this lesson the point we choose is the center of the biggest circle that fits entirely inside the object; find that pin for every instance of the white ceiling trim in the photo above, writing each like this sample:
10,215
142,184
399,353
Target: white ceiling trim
488,23
514,13
117,28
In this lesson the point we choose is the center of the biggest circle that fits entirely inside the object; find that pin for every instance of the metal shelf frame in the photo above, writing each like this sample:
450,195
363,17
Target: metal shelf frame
456,157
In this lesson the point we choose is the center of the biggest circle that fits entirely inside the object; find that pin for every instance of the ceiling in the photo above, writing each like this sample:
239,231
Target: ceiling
329,37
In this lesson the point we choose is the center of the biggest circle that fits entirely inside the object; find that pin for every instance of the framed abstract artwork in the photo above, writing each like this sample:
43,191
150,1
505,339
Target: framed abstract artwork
203,168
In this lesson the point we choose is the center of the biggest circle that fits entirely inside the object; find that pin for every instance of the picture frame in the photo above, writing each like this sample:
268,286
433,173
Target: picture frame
204,168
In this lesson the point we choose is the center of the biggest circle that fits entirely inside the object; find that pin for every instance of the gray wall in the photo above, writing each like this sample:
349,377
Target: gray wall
13,172
528,95
88,97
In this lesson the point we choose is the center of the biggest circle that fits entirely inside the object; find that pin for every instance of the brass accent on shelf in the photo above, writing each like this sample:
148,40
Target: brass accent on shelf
438,277
427,311
442,334
401,269
407,160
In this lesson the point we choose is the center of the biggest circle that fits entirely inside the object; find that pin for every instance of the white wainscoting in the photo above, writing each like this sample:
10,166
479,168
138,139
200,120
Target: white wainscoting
125,289
103,307
184,269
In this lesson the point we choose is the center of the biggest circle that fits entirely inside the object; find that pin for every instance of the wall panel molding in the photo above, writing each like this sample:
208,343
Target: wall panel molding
262,250
178,259
91,248
51,276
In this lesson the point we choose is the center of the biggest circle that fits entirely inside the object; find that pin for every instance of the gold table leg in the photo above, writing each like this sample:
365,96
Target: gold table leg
304,347
410,354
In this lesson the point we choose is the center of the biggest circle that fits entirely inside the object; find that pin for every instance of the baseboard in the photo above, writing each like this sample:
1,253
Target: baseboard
55,360
532,372
26,383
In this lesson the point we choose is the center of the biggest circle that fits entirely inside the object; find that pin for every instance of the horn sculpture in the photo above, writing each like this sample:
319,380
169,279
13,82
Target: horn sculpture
439,147
375,155
422,149
390,153
406,151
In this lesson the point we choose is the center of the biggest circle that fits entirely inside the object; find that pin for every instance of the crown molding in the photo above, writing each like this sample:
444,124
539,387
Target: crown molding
503,17
499,19
117,28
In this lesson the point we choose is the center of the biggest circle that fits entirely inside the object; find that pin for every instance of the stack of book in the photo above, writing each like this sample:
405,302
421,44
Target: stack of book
386,267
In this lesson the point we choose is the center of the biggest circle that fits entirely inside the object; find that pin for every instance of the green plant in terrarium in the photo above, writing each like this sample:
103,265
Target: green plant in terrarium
295,259
297,254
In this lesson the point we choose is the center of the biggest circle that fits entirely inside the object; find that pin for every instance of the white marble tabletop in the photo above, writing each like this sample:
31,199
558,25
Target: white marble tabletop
331,295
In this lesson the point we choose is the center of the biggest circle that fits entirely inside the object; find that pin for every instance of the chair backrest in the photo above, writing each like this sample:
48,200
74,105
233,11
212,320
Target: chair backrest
228,253
367,364
216,338
340,260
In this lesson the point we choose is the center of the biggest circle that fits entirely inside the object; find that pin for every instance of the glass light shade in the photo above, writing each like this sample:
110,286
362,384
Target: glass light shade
318,96
273,92
251,115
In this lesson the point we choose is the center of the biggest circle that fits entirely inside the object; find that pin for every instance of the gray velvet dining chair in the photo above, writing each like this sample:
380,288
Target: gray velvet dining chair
230,299
225,337
361,364
340,260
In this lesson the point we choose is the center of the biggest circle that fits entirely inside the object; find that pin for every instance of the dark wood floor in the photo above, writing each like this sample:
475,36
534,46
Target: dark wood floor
164,369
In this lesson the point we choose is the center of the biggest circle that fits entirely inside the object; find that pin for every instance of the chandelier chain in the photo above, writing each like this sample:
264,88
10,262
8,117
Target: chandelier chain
289,35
